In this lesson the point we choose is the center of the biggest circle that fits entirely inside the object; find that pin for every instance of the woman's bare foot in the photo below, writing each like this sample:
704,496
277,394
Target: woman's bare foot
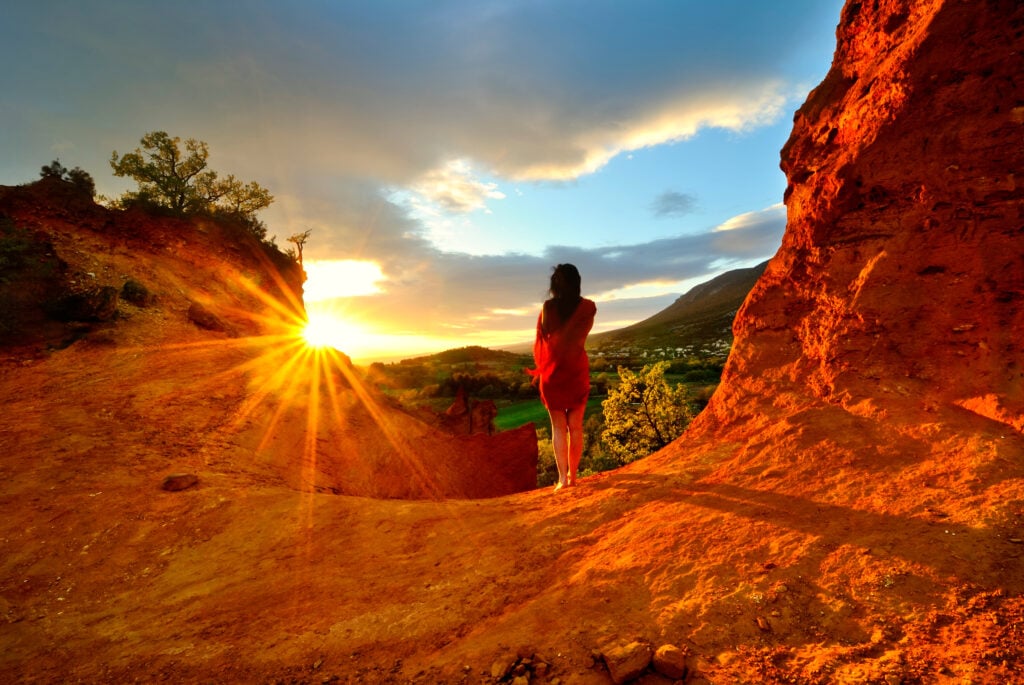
558,486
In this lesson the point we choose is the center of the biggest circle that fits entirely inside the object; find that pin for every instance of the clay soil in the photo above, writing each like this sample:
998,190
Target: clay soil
804,543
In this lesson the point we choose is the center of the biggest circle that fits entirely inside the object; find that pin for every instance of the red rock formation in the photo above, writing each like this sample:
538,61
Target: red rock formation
363,445
901,274
469,417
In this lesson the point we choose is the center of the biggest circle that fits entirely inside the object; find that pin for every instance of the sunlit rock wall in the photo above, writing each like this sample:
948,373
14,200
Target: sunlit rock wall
900,280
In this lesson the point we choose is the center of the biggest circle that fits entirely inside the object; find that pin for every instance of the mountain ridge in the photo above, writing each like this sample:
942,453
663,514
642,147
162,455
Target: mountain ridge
700,319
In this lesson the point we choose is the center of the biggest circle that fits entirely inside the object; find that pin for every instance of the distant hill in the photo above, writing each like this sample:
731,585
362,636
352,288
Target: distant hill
473,354
700,321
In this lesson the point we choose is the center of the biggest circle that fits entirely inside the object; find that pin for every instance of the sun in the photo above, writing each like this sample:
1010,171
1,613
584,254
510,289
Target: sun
324,330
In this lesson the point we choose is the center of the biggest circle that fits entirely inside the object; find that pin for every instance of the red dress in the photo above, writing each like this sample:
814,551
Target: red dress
562,365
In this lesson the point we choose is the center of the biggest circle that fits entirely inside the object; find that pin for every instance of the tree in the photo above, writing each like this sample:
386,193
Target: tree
643,413
77,177
53,170
300,240
178,179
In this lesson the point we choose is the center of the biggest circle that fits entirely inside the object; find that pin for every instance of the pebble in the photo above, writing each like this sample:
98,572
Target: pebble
670,661
179,481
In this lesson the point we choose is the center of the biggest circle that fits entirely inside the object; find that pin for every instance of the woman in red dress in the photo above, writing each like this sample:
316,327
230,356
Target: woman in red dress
563,369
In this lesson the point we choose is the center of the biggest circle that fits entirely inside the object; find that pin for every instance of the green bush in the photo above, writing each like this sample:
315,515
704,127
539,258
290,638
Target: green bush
644,413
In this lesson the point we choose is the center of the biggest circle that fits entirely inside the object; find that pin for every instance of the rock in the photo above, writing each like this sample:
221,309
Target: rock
502,667
868,176
469,417
670,661
180,481
136,293
521,680
92,304
204,318
626,661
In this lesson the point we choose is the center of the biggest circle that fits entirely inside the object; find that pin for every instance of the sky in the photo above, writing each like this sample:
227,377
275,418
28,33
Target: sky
445,155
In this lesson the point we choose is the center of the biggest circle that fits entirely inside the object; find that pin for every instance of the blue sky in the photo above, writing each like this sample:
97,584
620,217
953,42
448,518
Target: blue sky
446,154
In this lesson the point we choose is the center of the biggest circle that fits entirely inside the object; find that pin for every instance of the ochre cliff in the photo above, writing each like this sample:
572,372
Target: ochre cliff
214,346
901,275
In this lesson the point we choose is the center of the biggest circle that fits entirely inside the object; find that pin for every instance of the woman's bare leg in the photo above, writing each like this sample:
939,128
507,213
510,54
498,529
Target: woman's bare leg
575,453
559,441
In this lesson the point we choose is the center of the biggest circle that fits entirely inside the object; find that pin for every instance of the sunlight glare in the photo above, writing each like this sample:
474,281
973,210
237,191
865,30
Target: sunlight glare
324,330
331,278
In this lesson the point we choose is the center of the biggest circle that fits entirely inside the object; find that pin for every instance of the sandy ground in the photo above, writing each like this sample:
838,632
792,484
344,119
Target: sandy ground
815,547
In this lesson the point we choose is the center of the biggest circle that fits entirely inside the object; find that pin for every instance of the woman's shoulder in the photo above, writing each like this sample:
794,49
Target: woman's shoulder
589,304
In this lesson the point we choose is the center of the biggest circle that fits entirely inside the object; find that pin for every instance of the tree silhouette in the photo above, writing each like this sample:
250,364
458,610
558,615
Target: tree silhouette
178,179
300,239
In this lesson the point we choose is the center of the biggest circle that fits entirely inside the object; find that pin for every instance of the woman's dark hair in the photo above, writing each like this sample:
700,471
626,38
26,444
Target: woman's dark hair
565,289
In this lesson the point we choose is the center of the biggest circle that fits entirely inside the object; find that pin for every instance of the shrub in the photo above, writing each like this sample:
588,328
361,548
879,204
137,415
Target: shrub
77,177
644,414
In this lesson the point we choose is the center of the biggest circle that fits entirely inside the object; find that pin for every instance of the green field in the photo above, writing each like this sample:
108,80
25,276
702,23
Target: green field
517,413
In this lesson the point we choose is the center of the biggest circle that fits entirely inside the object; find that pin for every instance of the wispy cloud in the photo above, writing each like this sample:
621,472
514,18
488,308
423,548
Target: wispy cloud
673,203
455,188
496,293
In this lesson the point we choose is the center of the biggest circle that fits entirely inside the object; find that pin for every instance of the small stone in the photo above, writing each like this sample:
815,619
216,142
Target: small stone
204,318
179,481
136,293
670,661
521,680
627,661
501,668
763,624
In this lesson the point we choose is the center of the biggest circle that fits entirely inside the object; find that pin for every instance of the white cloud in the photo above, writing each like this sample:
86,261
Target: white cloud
750,220
455,189
591,148
430,291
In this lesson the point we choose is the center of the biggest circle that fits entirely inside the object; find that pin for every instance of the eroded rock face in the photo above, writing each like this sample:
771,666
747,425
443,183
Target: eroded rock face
901,274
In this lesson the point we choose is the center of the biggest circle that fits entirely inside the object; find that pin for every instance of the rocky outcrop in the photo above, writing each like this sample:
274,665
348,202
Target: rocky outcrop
366,446
67,260
900,280
466,416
